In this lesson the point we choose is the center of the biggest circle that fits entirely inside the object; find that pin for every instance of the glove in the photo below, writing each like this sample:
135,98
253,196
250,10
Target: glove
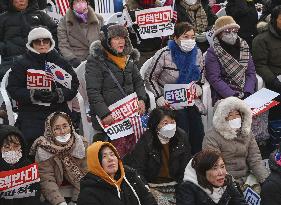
74,62
46,96
246,94
40,94
62,203
161,102
276,85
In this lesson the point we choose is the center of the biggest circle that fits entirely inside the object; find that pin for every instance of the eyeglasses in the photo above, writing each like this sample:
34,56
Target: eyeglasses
231,30
41,41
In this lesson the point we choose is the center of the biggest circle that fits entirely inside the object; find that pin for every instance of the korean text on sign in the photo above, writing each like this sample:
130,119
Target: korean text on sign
17,183
180,95
155,22
37,79
121,111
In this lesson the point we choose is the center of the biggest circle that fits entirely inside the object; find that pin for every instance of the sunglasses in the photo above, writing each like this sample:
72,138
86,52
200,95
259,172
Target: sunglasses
41,41
231,30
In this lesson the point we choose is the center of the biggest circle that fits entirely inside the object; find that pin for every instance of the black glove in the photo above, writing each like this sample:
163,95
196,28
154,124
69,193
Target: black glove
39,94
74,62
276,85
246,94
46,96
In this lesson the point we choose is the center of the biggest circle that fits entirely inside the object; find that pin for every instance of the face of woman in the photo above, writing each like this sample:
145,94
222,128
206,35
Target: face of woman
233,115
13,145
41,45
61,127
165,121
117,43
216,175
109,161
187,36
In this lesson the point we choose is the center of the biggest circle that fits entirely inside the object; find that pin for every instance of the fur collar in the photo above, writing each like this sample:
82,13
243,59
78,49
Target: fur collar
262,27
92,16
97,51
221,111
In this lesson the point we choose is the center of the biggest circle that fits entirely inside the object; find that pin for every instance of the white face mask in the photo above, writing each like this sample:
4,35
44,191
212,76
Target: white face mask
12,157
190,2
166,133
187,45
63,138
229,38
235,123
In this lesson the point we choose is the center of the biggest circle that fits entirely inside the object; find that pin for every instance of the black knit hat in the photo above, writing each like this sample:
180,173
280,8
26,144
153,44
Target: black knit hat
113,30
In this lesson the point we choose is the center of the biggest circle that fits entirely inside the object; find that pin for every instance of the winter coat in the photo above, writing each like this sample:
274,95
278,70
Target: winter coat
15,26
183,17
191,193
148,152
221,84
17,82
239,150
162,70
5,131
268,6
102,91
74,40
271,188
246,16
97,187
266,53
52,174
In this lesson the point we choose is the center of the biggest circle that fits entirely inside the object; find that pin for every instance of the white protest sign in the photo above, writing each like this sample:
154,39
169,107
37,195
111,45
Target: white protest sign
121,111
155,22
260,98
251,197
17,183
180,95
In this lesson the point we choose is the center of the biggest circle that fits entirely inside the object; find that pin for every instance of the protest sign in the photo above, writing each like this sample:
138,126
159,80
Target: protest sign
251,197
37,79
180,95
264,108
121,111
155,22
17,183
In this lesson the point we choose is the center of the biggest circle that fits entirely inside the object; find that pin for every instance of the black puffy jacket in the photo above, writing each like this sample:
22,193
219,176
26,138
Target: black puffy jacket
15,26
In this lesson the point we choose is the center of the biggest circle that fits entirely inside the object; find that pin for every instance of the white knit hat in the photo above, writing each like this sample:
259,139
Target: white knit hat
38,33
223,23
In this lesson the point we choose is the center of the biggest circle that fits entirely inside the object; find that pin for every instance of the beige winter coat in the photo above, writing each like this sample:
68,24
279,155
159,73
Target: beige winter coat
240,151
52,175
74,41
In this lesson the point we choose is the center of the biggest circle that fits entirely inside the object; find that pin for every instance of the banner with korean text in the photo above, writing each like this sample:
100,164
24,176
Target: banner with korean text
17,183
121,111
180,96
155,22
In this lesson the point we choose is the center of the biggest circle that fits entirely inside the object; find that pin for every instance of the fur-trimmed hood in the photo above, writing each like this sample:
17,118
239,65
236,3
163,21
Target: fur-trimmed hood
262,26
98,51
221,111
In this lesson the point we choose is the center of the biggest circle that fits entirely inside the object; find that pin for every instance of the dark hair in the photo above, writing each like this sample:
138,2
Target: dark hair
102,148
181,28
202,162
274,15
63,115
157,115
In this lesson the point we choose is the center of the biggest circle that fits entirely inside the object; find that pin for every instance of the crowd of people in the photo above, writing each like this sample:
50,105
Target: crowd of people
174,161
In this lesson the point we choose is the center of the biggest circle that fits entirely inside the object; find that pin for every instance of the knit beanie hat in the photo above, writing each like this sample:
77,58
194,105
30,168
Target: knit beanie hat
113,30
223,23
39,33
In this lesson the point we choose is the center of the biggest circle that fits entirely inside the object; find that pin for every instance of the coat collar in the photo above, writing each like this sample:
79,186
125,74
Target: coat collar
222,109
97,51
71,19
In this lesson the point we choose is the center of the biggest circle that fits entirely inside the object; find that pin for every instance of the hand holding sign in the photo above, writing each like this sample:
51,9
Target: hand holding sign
108,120
141,107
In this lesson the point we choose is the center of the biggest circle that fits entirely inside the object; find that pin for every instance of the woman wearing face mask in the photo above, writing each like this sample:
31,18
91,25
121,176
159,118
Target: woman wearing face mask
113,57
109,182
231,135
60,154
161,155
229,66
78,28
179,63
206,182
14,156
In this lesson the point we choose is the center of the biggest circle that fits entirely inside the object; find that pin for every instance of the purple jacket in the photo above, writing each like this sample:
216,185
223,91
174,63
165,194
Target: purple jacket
221,85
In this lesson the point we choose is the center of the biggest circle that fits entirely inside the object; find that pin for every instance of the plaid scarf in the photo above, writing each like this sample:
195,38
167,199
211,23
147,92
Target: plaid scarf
46,148
234,69
197,15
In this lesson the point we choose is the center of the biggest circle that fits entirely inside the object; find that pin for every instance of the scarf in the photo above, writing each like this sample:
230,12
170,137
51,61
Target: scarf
185,62
120,61
233,68
81,17
197,16
46,147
